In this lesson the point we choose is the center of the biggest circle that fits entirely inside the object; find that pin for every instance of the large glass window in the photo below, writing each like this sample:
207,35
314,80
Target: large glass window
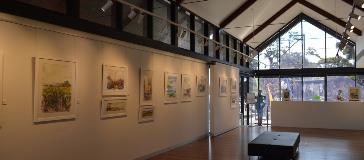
314,46
360,84
199,41
336,57
270,56
291,48
132,20
313,89
223,40
211,43
294,85
90,10
336,83
183,35
161,28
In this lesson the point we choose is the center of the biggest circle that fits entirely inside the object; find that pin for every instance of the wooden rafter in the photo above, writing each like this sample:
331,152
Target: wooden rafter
350,2
327,15
269,21
236,13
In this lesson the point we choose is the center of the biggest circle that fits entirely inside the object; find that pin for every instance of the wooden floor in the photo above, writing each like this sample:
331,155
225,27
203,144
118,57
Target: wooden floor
316,144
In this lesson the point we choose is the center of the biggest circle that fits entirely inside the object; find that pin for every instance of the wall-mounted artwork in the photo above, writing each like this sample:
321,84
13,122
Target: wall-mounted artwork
114,80
201,86
234,102
54,90
146,87
146,114
223,82
234,85
170,87
354,94
113,107
186,88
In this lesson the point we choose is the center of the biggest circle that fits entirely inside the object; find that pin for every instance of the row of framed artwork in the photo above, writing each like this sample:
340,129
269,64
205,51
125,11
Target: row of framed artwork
55,90
223,86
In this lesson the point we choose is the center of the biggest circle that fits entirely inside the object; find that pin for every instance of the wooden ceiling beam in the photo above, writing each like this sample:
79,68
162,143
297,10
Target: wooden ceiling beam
327,15
351,2
236,13
270,20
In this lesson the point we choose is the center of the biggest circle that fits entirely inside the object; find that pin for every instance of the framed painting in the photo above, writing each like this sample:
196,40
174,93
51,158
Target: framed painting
186,88
201,83
146,114
113,107
170,87
146,87
223,82
114,81
54,90
354,94
234,85
234,102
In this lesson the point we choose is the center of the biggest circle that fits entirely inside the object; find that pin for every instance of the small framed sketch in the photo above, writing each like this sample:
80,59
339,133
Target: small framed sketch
223,82
54,90
234,102
234,85
146,114
201,83
170,87
186,88
113,107
146,87
354,94
114,80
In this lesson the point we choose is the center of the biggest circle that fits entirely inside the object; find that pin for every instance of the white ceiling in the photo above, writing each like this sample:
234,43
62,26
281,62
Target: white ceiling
215,11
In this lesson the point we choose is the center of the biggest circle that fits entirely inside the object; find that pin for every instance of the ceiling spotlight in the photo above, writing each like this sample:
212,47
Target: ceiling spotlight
140,18
107,5
346,36
183,33
349,26
359,3
211,36
132,13
355,16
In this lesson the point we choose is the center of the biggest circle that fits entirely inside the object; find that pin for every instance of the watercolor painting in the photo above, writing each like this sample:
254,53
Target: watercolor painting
223,82
186,88
234,102
234,85
170,87
201,86
54,97
113,107
115,80
146,87
146,114
354,94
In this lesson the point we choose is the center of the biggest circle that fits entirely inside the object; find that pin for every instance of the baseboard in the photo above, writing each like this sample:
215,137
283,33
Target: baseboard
172,147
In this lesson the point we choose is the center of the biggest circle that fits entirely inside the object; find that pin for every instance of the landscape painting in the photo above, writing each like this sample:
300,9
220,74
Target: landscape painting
354,94
146,114
54,90
234,102
234,85
223,82
186,88
170,87
146,87
113,107
201,86
115,80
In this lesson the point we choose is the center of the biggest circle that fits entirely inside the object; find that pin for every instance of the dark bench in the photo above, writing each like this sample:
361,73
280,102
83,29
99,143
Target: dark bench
282,145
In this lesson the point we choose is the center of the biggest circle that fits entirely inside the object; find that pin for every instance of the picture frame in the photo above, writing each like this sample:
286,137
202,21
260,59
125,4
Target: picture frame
171,83
54,89
146,87
233,85
146,114
113,107
234,102
201,86
223,82
186,85
354,94
114,80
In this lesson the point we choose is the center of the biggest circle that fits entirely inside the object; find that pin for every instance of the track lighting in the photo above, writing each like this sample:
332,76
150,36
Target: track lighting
343,44
211,36
359,3
140,17
183,33
132,14
349,26
345,35
107,5
355,16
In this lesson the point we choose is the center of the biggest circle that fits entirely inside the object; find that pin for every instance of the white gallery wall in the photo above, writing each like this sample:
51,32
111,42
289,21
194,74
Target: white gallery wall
88,136
224,115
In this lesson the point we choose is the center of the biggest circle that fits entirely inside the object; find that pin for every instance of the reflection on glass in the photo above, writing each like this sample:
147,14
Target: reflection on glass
336,83
313,89
132,20
294,85
161,28
199,41
183,35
